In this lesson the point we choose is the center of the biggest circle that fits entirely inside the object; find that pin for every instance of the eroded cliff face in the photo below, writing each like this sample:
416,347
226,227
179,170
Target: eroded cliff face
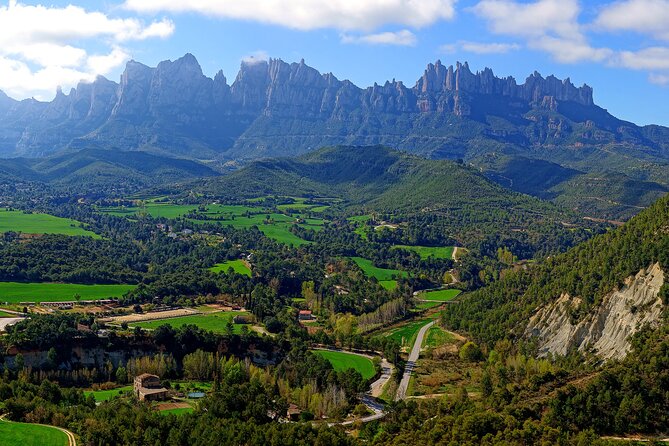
606,331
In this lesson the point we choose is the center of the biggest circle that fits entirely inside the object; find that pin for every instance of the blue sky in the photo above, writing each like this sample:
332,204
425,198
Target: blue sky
620,48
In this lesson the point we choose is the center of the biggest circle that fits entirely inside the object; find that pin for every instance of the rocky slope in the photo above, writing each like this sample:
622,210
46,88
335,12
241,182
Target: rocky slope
607,329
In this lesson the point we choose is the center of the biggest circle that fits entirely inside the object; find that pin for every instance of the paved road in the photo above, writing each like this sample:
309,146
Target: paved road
411,362
386,372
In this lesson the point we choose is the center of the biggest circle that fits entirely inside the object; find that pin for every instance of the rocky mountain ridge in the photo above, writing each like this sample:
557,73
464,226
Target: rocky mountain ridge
177,97
274,109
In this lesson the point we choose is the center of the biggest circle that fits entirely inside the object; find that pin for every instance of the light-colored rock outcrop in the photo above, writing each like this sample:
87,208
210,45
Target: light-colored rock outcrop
606,330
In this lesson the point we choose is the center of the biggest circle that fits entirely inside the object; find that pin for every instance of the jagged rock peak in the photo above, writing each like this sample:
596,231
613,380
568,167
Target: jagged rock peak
437,78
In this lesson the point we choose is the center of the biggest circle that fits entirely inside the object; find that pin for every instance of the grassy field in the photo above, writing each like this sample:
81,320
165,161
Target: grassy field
215,322
5,314
40,224
406,334
106,395
276,227
156,210
179,411
429,251
238,266
25,434
14,292
427,305
384,276
436,336
344,361
440,296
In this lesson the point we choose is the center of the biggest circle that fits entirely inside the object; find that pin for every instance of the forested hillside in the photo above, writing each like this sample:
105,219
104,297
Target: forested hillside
588,271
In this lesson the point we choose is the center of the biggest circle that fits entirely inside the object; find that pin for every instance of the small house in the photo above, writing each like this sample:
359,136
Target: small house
305,315
293,413
147,388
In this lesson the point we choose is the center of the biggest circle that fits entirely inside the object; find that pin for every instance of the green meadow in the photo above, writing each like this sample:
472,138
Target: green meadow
406,334
427,305
216,322
343,361
437,336
238,266
384,276
36,223
15,292
106,395
25,434
178,411
438,252
440,295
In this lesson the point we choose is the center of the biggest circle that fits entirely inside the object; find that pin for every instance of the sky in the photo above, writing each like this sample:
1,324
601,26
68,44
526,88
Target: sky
620,48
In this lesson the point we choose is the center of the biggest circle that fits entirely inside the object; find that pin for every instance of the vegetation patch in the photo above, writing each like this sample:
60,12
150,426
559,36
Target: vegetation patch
344,361
26,434
16,292
437,336
406,334
35,223
438,252
440,295
106,395
238,266
177,411
216,322
427,305
274,225
386,277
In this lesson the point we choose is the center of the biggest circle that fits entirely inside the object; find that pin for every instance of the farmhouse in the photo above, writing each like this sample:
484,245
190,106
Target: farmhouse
305,315
147,388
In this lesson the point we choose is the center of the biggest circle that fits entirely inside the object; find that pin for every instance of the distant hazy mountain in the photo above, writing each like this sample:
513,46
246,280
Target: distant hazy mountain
278,109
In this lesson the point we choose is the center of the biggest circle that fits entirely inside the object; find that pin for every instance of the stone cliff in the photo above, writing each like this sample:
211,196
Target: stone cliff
607,329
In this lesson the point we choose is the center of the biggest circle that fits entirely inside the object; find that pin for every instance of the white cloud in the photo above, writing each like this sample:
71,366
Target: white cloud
551,26
99,64
365,15
642,16
565,50
654,58
255,57
659,79
42,47
479,47
398,38
530,19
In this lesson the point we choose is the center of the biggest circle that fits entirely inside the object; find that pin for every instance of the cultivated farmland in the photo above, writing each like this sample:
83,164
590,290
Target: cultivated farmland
438,252
439,296
344,361
36,223
384,276
238,266
15,292
216,322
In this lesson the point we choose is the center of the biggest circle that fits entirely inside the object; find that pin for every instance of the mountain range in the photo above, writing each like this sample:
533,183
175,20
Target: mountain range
576,152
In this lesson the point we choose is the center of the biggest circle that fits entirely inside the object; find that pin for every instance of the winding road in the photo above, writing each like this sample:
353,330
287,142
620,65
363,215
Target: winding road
411,362
376,388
